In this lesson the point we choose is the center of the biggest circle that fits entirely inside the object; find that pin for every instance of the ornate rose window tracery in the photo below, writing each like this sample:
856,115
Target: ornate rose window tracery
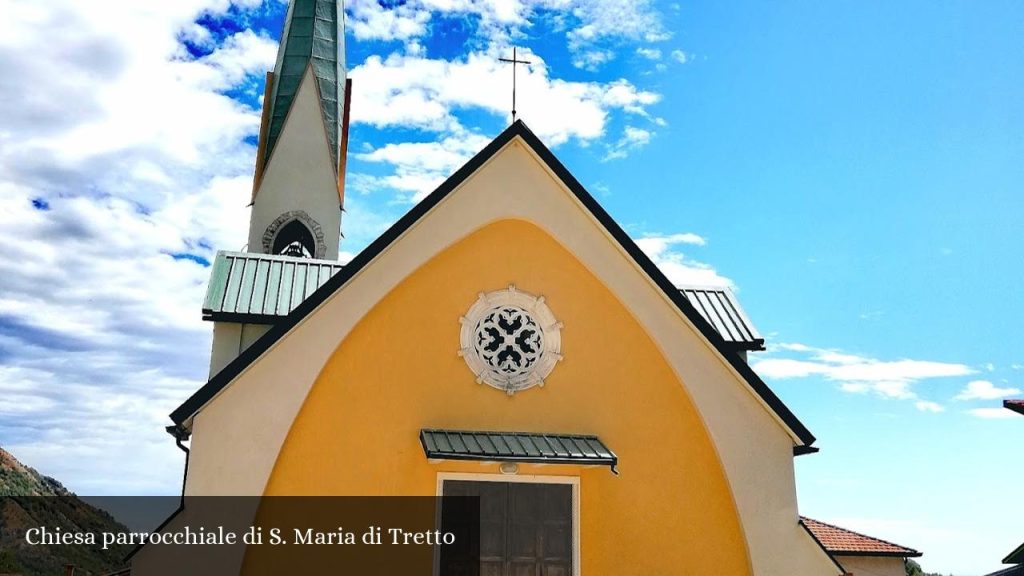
510,340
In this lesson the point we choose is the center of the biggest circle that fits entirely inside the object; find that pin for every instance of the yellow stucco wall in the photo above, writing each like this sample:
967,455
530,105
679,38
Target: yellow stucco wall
670,510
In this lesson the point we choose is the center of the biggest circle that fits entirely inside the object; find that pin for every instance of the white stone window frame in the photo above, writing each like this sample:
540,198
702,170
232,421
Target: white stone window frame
539,311
270,234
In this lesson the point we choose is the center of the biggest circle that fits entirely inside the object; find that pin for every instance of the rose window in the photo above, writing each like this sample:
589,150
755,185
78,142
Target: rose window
510,340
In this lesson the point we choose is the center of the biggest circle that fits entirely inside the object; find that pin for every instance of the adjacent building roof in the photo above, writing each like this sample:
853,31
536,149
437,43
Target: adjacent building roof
516,447
1015,557
183,414
260,288
719,307
1017,570
1015,405
312,37
842,542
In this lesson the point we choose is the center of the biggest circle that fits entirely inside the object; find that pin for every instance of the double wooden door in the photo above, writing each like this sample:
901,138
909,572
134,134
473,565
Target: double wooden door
525,528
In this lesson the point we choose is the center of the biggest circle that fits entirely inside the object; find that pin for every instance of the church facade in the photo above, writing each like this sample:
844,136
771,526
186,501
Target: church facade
504,339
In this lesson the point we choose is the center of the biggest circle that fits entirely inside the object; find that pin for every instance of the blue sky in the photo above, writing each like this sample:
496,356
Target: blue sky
853,170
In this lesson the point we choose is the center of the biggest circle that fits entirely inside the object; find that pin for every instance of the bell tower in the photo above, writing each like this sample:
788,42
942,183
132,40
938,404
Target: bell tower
298,186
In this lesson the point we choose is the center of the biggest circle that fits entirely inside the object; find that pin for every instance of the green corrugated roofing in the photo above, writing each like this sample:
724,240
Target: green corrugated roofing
516,447
721,309
260,288
313,33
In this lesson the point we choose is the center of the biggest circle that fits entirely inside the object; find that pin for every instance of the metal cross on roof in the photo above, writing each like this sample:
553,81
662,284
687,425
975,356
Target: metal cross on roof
514,61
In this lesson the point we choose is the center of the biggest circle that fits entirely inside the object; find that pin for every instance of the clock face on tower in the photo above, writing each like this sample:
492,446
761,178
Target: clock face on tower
510,340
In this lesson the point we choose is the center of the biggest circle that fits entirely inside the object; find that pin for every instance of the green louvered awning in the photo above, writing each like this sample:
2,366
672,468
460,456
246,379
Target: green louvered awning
516,447
312,34
260,288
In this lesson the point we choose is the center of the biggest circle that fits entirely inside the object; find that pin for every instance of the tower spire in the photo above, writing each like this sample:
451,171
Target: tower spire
298,185
313,36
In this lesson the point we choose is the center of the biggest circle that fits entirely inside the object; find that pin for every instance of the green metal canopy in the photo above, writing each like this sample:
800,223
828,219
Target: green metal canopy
313,34
516,447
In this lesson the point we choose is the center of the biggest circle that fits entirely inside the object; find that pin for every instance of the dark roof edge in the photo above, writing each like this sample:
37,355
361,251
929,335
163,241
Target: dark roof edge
912,554
842,570
518,128
756,345
241,317
1015,557
1015,406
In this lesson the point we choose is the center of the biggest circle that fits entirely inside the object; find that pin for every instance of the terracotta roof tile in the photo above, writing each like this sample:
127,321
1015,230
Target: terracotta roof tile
843,542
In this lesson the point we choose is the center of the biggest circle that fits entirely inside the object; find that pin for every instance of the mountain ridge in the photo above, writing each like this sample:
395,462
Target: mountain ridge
29,499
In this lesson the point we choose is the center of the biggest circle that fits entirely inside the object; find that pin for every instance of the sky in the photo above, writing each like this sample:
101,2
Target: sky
853,170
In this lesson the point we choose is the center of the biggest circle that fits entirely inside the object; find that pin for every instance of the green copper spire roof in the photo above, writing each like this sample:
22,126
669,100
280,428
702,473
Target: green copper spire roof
313,33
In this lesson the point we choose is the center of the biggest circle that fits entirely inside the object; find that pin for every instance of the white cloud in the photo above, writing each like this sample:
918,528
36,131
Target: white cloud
794,346
680,56
368,20
928,406
633,138
649,53
587,25
422,166
993,413
985,390
592,60
123,164
679,268
629,19
654,245
418,92
407,91
859,374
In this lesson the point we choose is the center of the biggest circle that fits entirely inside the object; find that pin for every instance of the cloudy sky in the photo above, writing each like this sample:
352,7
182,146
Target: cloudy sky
853,170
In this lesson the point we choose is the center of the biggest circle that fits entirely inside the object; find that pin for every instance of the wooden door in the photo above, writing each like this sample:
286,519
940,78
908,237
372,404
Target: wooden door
525,528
